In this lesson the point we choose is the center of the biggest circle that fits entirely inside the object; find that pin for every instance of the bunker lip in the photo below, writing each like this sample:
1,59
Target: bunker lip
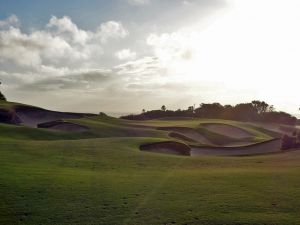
32,116
176,148
266,147
176,118
9,117
181,137
167,147
277,129
227,130
63,126
189,133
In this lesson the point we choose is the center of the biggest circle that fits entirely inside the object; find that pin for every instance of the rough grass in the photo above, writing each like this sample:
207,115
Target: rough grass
101,177
109,181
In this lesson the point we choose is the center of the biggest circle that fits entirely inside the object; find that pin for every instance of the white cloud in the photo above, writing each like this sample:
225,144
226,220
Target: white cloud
138,2
126,54
64,27
10,21
173,46
111,29
186,2
60,45
249,55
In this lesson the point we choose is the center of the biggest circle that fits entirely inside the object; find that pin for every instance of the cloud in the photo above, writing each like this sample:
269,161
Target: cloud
65,28
186,2
111,29
178,45
143,67
60,45
138,2
126,54
10,21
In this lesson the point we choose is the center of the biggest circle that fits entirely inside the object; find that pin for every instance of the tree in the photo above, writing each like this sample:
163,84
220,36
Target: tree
2,97
213,110
280,118
163,108
272,108
245,112
261,107
191,109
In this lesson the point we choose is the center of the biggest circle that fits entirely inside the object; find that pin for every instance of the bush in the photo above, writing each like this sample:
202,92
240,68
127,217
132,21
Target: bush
2,97
290,142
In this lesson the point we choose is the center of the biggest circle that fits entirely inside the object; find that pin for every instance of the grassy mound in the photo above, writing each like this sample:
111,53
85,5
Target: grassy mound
100,176
63,126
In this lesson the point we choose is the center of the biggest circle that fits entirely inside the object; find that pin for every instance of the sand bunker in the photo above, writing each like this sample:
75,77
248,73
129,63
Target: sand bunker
181,137
188,133
31,116
168,147
227,130
238,144
267,147
63,126
277,130
9,116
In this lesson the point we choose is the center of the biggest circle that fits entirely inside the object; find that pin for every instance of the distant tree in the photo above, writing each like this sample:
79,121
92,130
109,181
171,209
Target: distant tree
102,114
261,107
279,118
272,108
191,108
254,111
245,112
228,112
2,97
213,110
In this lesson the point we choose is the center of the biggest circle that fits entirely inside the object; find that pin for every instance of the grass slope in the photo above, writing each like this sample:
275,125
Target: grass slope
101,177
109,181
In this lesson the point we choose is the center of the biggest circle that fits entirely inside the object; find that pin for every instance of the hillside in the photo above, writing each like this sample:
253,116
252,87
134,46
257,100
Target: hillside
99,175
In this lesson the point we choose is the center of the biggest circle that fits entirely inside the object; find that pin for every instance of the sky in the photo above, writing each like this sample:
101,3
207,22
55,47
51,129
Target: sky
122,56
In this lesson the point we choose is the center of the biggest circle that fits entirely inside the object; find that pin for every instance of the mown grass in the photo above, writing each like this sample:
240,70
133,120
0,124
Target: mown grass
109,181
98,128
259,134
101,177
9,105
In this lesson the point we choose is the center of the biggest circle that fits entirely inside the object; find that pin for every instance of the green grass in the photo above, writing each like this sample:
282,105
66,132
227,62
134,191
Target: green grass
109,181
259,134
101,177
12,132
98,128
8,105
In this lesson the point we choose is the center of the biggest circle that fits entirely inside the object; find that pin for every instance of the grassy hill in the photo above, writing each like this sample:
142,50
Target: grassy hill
101,177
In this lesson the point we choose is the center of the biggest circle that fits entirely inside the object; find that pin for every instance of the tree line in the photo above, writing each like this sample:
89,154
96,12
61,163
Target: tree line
255,111
2,97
